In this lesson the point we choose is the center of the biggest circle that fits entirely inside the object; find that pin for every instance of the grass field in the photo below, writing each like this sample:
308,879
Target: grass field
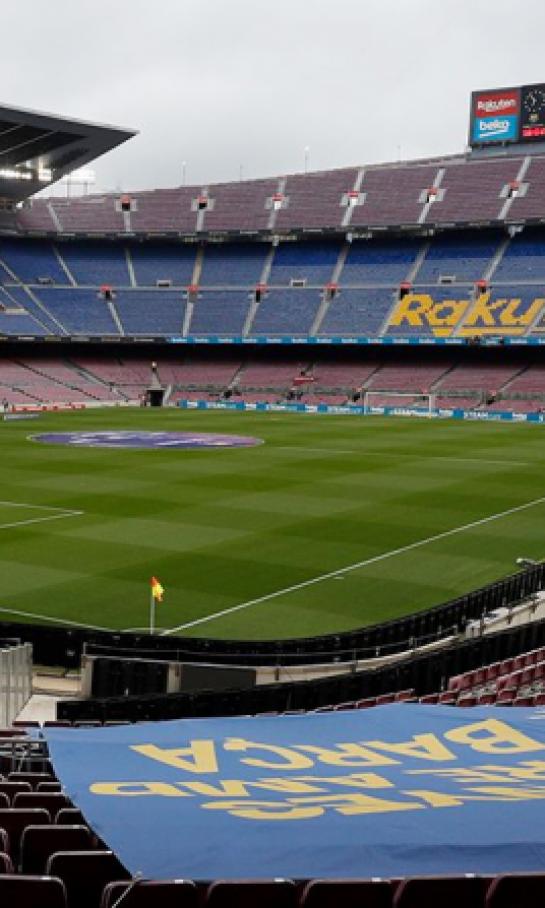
381,507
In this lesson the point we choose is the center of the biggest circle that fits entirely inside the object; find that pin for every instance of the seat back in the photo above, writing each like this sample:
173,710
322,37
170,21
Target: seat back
347,893
12,788
52,801
38,843
252,894
15,821
518,889
31,777
85,874
32,891
151,894
445,891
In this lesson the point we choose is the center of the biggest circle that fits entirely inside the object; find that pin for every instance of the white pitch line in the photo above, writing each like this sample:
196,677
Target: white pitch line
24,523
90,627
358,564
38,507
515,463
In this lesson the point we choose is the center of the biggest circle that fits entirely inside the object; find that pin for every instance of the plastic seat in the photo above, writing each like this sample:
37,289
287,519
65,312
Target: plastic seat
492,671
32,892
252,894
49,786
347,894
10,789
516,889
383,699
31,777
52,801
446,891
15,821
85,874
4,801
366,703
151,894
70,816
38,843
429,698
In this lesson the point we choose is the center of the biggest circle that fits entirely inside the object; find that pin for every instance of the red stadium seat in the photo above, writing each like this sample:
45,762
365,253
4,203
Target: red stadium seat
38,843
252,894
443,892
347,894
85,874
52,801
516,890
15,821
32,892
151,894
12,788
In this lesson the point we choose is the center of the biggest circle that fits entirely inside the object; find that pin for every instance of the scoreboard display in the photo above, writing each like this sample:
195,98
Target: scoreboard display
532,116
507,115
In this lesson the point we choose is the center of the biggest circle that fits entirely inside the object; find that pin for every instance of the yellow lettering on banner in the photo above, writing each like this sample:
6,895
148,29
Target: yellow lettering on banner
436,798
309,808
354,780
501,793
424,747
419,310
229,788
199,757
492,737
288,758
264,810
529,770
136,789
348,755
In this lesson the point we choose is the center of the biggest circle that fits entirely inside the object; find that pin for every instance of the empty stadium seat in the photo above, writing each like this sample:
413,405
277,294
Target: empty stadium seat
151,894
52,801
252,893
15,821
32,892
347,894
33,778
70,816
85,874
38,843
516,890
446,892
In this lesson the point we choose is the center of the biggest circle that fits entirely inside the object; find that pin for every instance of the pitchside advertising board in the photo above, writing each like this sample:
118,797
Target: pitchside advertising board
507,115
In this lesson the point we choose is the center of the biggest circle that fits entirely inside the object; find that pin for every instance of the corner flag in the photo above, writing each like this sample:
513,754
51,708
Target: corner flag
157,589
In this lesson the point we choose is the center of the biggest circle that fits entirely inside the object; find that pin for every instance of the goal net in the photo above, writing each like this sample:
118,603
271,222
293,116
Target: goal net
420,403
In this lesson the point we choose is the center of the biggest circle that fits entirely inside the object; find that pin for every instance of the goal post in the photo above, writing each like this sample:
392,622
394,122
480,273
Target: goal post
405,400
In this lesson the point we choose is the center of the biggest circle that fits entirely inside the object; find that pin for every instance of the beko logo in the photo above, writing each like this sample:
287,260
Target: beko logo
494,127
496,105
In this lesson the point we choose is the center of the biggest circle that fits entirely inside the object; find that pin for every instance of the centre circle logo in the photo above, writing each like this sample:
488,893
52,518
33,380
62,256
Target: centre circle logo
147,440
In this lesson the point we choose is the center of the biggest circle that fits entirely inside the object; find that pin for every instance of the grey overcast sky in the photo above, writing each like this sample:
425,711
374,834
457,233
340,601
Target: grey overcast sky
231,84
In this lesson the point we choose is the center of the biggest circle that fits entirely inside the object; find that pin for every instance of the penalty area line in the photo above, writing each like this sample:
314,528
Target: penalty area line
358,564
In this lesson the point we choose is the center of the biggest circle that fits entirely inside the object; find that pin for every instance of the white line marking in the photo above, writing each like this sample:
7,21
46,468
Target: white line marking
358,564
24,523
60,514
91,627
38,507
515,463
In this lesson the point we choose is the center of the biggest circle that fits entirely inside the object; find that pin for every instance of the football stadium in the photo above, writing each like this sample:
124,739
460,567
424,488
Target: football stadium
272,507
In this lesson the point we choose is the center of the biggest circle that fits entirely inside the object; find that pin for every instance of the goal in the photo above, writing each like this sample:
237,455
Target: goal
419,403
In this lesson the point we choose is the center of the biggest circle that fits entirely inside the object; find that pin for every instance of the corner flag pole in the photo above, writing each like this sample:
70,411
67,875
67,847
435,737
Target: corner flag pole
156,595
151,611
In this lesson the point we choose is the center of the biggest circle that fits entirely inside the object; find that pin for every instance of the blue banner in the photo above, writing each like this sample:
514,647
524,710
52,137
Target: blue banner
392,791
371,410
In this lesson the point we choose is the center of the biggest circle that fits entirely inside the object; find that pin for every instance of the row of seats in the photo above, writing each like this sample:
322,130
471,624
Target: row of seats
84,880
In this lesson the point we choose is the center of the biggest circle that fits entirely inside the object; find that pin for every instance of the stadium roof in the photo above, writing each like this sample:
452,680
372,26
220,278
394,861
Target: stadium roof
38,149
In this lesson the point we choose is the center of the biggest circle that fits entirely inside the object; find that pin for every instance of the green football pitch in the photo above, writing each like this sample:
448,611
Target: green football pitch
333,523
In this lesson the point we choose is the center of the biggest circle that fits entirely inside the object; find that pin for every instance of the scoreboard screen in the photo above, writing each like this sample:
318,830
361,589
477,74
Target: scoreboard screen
532,119
507,115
